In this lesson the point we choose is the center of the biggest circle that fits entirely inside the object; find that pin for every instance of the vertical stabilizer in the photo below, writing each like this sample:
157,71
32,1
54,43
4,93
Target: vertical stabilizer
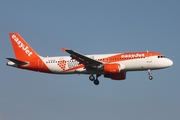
26,57
22,49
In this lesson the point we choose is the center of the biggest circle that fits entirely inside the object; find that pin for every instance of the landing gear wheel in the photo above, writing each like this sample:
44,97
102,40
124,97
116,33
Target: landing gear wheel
149,73
96,82
150,77
91,77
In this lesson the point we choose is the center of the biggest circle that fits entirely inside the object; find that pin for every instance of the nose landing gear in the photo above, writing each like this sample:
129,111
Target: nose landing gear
149,73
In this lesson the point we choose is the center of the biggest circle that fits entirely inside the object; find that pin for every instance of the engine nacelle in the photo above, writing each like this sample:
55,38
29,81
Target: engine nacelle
112,68
116,76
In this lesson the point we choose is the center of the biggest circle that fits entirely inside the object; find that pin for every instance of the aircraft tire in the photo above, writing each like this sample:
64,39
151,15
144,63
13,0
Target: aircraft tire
96,82
91,77
150,77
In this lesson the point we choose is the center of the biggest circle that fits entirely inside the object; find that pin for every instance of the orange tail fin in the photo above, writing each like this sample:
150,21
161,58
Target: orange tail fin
21,48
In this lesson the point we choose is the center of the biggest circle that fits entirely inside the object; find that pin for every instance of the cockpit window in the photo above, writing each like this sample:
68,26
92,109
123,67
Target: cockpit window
161,57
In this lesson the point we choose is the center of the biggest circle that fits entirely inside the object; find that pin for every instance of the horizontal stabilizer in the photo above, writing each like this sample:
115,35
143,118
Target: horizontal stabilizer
18,62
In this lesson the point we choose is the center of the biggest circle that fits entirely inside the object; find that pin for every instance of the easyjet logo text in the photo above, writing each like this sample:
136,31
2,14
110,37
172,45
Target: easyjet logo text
22,46
132,55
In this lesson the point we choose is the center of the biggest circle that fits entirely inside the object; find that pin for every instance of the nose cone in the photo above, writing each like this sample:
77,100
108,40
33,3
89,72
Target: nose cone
169,62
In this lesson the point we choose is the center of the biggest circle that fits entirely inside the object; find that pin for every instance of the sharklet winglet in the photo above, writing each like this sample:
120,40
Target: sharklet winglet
63,49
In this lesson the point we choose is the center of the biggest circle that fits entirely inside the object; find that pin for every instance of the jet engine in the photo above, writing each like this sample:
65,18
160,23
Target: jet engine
112,68
116,76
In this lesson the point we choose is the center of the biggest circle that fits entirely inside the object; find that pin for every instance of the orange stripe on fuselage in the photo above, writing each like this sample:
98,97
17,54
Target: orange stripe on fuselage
129,56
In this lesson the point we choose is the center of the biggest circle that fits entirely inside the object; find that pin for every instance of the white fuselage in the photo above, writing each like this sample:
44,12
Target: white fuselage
65,64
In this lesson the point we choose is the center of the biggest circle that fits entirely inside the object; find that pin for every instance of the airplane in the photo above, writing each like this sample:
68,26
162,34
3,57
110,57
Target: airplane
113,66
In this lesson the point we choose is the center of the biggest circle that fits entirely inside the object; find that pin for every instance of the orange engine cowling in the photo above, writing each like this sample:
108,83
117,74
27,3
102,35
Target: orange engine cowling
112,68
116,76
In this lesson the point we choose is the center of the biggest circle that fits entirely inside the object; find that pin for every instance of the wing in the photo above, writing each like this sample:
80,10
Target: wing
82,59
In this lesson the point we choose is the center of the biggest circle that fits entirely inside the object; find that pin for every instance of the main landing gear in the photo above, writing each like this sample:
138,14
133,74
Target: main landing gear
149,73
95,80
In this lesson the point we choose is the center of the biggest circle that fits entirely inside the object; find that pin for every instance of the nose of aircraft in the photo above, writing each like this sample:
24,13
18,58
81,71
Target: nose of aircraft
169,62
